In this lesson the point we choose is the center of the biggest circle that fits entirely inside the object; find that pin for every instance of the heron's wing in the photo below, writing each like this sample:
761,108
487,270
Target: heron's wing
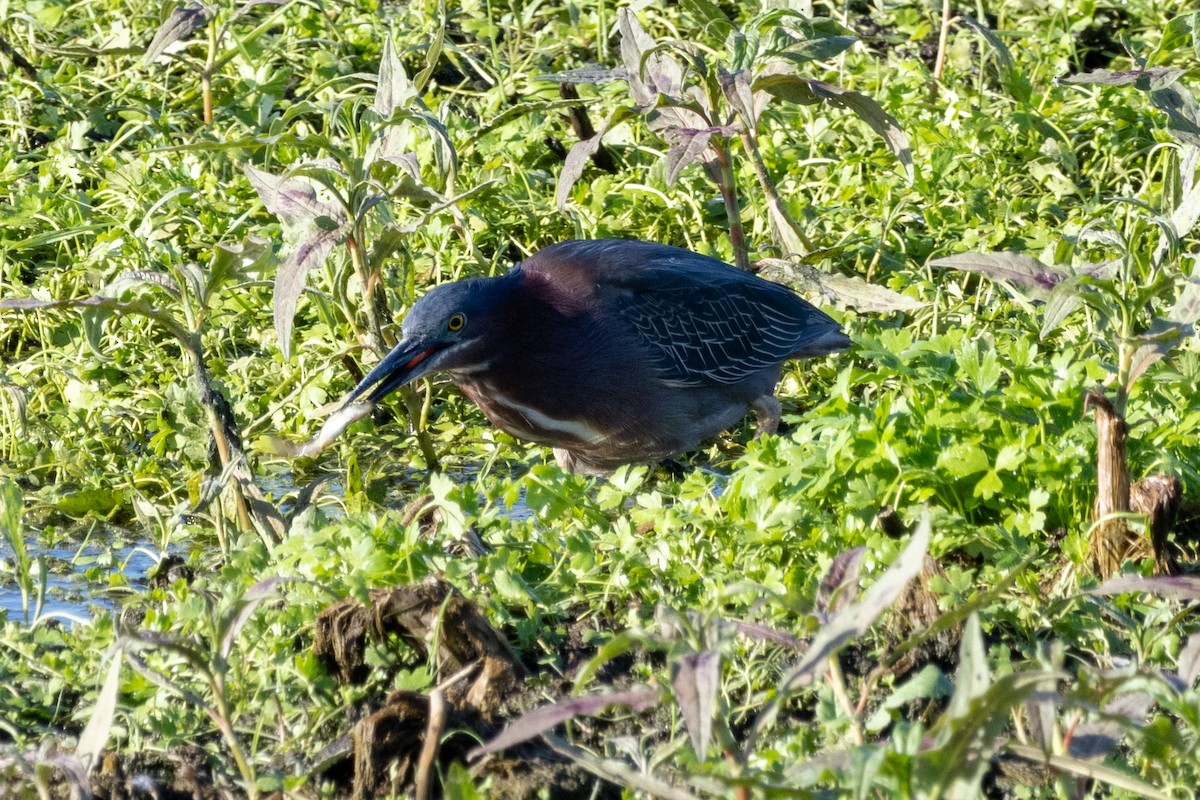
704,321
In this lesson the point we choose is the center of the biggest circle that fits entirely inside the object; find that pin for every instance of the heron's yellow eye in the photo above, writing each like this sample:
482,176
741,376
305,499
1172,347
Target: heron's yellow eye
456,322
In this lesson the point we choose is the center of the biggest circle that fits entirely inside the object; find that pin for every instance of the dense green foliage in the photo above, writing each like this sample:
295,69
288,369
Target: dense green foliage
965,408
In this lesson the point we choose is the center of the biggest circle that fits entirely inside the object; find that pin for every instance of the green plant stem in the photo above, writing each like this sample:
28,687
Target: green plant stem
207,73
727,183
787,230
220,716
837,681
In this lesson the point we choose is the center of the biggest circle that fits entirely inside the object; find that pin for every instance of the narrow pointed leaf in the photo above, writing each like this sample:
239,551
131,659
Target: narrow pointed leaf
839,583
1172,587
181,23
1104,77
1091,770
95,735
546,718
1019,268
696,683
394,89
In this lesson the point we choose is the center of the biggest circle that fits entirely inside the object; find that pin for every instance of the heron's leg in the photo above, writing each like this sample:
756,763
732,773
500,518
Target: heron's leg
767,411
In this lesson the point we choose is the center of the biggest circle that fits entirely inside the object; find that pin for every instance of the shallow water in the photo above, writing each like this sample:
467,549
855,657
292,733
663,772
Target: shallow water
72,594
86,575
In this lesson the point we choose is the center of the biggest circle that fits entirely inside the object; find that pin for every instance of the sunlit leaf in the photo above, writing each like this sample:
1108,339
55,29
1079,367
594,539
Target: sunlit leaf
96,734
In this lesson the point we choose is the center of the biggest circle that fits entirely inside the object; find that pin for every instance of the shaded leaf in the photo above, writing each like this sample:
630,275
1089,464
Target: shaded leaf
1150,78
696,683
181,23
95,735
1182,110
839,584
873,114
736,88
1098,738
546,718
711,17
685,146
1003,55
1060,304
1158,342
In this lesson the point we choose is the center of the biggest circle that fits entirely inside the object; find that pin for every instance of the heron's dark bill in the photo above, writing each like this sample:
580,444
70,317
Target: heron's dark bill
407,362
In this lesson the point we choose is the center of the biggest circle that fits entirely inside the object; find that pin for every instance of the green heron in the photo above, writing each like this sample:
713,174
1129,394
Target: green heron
610,351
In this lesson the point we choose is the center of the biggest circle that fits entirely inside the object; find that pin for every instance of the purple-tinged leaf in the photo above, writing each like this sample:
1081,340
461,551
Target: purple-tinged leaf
579,154
685,146
1153,77
1172,587
1186,309
313,227
1061,302
851,623
394,89
181,23
765,633
839,584
293,200
306,254
1158,342
649,71
736,88
1188,666
546,718
1023,270
573,166
696,683
1099,738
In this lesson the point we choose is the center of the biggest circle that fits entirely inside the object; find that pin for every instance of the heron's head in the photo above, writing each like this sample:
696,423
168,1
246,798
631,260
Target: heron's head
453,327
